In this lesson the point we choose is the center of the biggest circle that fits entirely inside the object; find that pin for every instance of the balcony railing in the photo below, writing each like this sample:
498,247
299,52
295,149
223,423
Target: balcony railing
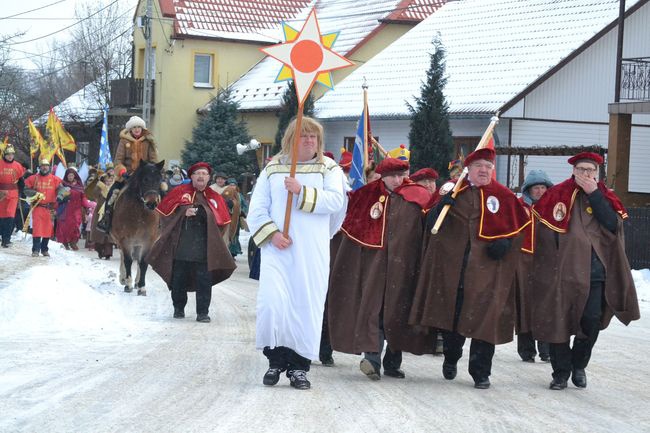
635,79
127,92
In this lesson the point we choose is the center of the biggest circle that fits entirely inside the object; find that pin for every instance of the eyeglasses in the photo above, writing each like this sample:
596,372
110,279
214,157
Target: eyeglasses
588,170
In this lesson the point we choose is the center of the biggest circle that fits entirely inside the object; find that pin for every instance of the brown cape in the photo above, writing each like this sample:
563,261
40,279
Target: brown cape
562,269
363,280
161,257
488,310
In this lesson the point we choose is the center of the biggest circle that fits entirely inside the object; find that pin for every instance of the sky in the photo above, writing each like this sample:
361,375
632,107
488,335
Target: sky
52,19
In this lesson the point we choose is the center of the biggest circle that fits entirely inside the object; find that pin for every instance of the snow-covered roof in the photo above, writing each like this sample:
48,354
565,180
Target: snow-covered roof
414,10
355,19
251,20
84,106
494,51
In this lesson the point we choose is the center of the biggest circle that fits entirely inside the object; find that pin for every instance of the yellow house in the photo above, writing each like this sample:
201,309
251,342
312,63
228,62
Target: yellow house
366,28
199,46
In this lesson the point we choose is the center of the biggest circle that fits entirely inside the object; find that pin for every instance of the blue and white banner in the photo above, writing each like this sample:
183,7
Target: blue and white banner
104,149
357,171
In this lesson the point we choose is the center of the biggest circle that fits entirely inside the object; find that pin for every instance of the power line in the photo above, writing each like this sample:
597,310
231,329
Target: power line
33,10
61,47
66,28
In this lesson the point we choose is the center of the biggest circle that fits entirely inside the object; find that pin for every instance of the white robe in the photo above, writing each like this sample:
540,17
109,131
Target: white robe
293,282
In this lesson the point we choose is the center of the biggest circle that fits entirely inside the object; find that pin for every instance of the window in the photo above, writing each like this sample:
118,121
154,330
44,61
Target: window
466,145
266,150
348,142
82,152
203,70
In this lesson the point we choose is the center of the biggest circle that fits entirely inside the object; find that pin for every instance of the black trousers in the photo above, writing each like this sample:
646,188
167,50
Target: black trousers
286,359
565,358
182,271
526,347
6,229
40,245
392,358
480,352
325,351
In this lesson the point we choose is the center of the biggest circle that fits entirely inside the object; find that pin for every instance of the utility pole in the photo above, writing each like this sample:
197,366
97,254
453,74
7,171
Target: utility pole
619,50
148,65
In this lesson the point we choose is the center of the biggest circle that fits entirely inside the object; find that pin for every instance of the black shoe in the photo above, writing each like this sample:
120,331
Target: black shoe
327,361
396,373
369,369
272,376
545,358
558,384
482,383
179,314
298,379
449,370
203,318
4,245
528,359
579,377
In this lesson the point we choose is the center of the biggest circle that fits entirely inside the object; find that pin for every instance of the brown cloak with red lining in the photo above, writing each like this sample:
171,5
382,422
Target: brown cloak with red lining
172,208
488,311
374,271
562,264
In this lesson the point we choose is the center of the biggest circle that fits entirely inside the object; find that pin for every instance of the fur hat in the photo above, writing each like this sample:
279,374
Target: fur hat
44,162
486,153
424,173
392,165
592,157
9,149
134,122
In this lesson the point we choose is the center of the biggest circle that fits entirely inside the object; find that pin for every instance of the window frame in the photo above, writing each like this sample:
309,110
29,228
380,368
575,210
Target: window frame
202,85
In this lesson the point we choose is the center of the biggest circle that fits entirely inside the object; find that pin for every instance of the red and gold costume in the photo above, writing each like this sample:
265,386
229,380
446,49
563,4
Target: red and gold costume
10,174
42,225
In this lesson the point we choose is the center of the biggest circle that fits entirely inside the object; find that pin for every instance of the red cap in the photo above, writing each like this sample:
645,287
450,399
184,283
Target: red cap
424,173
391,165
485,153
346,159
328,154
199,165
590,156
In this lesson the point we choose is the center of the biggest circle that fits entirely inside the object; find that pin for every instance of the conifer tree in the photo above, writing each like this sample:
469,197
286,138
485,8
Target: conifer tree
430,136
215,136
288,111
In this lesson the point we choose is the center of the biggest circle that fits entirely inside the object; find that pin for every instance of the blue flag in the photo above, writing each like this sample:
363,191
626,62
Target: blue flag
104,149
357,172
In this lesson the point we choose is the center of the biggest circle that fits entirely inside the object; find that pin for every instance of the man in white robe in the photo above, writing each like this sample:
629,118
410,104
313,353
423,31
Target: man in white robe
295,269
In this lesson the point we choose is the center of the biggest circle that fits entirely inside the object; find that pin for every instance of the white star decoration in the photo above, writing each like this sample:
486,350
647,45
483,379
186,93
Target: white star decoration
307,56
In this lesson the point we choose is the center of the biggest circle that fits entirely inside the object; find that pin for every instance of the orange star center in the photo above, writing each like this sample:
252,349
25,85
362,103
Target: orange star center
306,56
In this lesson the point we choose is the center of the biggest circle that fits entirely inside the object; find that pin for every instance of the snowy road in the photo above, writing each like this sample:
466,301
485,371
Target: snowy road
79,355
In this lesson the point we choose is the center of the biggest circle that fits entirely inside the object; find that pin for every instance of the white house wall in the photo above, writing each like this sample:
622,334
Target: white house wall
639,180
581,90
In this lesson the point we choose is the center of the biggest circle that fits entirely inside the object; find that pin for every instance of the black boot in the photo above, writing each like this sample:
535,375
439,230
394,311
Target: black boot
579,377
449,370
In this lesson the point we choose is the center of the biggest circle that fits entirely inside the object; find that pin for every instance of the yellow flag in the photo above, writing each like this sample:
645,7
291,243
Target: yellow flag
50,146
38,142
66,141
3,146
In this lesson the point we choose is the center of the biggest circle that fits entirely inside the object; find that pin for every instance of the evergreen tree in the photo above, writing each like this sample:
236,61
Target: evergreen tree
215,136
430,135
289,110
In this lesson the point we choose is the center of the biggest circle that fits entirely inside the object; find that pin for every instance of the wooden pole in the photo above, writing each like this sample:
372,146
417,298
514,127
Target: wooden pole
484,141
292,173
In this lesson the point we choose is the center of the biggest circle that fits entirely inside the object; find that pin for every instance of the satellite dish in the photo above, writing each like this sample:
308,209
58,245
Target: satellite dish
252,145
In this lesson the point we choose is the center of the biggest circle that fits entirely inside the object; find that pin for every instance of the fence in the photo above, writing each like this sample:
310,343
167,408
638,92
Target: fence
637,237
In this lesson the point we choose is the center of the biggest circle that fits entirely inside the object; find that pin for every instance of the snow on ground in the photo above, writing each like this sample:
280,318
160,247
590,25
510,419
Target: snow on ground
77,354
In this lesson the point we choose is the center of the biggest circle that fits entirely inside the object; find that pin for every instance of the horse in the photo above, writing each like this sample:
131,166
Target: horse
135,225
231,195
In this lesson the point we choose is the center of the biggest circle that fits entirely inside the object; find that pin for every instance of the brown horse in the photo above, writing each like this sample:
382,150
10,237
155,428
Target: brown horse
135,222
231,195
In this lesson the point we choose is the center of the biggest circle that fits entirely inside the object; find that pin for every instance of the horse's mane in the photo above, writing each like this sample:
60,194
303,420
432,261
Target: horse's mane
134,183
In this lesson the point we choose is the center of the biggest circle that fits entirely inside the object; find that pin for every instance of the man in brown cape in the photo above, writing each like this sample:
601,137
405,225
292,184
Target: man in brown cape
466,283
581,274
190,254
373,274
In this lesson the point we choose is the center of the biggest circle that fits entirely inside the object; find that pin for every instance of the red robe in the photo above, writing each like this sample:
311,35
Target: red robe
42,226
69,213
10,174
